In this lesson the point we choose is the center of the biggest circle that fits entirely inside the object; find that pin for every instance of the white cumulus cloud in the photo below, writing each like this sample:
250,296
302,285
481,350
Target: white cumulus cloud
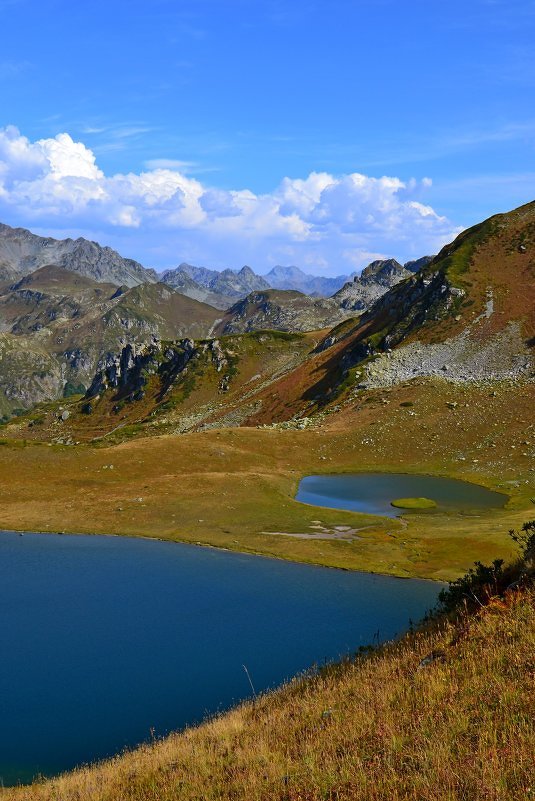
327,223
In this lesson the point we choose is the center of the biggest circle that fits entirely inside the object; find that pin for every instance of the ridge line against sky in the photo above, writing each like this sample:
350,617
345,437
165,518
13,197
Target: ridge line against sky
224,132
322,222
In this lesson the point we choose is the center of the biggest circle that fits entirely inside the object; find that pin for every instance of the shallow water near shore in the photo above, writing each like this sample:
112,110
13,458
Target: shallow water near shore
373,493
107,641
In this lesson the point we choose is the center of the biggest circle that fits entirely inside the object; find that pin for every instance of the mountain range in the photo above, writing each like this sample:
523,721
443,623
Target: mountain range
22,252
223,288
238,283
464,316
67,306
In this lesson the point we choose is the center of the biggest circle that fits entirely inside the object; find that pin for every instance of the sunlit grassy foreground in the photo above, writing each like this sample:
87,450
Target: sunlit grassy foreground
460,726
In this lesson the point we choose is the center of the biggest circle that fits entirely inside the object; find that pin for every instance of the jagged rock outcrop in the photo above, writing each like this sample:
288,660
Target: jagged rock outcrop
366,288
128,371
55,325
219,357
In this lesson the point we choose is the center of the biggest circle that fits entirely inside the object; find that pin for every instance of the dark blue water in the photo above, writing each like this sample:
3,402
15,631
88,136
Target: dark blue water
105,638
373,493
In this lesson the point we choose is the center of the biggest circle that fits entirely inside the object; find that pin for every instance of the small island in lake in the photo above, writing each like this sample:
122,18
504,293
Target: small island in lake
413,503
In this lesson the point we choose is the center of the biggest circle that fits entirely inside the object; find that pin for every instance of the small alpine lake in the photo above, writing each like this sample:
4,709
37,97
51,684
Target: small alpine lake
373,493
107,641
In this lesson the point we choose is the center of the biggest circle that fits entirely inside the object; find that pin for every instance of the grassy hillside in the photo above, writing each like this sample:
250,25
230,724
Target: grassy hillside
445,714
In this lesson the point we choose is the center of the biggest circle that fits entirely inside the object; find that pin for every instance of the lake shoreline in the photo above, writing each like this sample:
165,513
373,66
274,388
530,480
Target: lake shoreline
208,545
224,488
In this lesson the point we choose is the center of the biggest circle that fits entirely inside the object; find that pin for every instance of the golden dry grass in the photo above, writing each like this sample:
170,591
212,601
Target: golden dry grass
461,727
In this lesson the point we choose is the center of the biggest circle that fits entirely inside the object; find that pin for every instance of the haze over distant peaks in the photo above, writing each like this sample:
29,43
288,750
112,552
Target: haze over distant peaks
232,283
293,278
182,281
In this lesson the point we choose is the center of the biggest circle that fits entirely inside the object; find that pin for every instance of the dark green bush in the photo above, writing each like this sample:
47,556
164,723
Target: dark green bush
483,582
71,389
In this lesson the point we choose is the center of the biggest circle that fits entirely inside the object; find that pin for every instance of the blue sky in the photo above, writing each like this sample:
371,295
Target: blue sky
225,132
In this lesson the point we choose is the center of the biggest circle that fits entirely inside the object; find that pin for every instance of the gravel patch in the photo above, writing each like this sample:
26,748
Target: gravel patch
503,356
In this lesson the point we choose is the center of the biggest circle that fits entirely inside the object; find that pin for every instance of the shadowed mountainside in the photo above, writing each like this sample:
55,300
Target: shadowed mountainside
55,325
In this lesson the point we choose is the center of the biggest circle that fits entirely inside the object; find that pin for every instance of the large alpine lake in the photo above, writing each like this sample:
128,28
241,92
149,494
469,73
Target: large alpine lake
107,641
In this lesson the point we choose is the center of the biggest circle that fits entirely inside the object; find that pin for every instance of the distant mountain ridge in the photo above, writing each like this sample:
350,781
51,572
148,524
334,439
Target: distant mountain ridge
231,283
22,252
294,278
236,284
239,283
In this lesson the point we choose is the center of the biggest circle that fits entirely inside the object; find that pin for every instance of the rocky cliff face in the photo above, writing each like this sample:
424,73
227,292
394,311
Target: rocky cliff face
22,252
366,288
466,316
128,370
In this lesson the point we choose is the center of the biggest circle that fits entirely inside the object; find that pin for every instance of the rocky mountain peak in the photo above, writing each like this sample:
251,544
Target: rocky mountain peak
282,310
381,270
376,279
